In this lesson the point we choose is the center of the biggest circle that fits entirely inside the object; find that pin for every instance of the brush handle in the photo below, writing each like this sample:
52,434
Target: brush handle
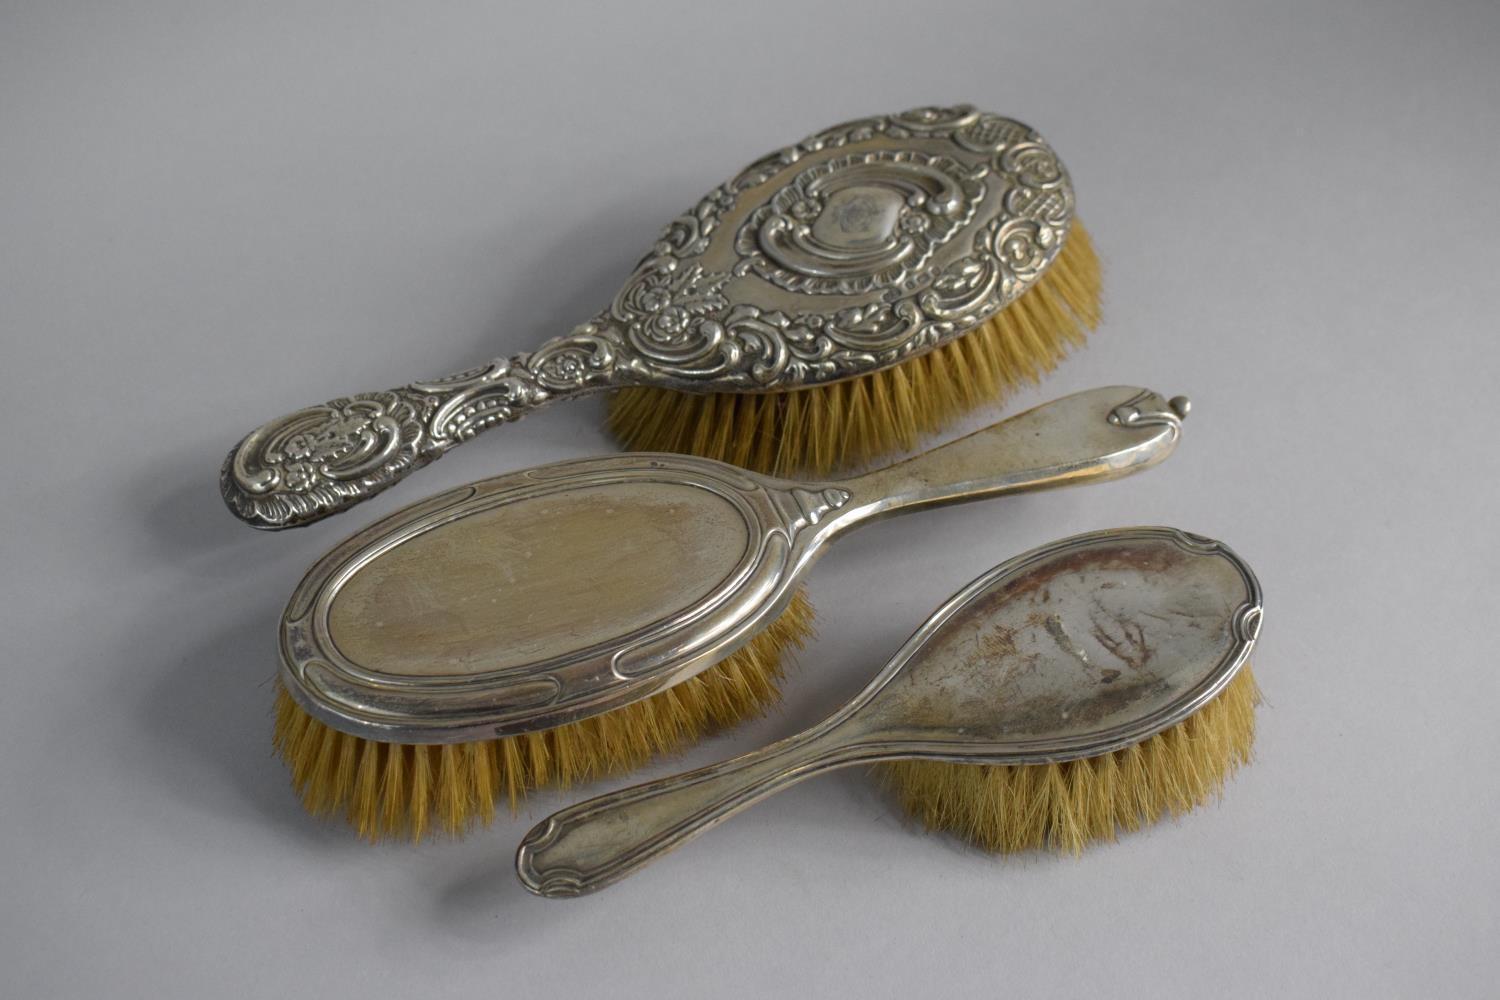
318,461
1087,437
592,844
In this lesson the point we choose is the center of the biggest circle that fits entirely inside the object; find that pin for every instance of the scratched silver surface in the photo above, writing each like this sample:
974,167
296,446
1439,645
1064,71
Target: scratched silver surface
1077,648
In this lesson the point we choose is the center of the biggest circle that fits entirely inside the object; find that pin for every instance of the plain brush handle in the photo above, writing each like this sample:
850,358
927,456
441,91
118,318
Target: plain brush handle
318,461
592,844
1087,437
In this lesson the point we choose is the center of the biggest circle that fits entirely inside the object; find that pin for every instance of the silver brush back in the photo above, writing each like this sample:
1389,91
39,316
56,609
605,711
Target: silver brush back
558,593
1076,649
859,247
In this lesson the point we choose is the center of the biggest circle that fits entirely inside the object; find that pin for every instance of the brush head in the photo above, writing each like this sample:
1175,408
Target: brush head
860,247
395,790
1066,806
839,425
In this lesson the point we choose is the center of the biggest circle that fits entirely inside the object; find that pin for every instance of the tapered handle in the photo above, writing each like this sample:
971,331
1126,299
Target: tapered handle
1086,437
324,459
598,842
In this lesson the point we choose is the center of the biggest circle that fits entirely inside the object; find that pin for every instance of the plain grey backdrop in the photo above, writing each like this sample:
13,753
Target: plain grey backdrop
211,213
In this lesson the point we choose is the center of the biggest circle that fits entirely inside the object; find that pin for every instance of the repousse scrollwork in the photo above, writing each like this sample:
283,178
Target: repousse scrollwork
864,224
847,252
323,458
858,223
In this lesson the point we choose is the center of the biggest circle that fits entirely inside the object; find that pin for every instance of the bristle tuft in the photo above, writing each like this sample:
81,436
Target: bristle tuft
1067,806
393,791
845,424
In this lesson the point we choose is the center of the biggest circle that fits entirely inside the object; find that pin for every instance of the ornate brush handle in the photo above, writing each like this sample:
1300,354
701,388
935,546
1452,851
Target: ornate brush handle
315,462
592,844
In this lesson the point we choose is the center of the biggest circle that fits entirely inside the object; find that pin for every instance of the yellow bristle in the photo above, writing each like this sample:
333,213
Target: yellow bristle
419,806
364,807
484,779
323,760
818,430
1067,806
391,790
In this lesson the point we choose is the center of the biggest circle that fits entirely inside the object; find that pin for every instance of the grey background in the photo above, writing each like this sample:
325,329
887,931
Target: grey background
213,213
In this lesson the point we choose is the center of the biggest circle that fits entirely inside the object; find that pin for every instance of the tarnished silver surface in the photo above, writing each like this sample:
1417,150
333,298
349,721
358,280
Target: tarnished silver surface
490,610
1081,647
848,252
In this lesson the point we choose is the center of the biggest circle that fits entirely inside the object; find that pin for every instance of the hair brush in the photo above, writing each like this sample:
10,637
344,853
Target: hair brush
573,619
829,304
1094,684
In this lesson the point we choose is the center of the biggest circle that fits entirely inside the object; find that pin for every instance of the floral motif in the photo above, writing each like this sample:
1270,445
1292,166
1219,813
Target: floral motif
300,476
575,361
668,310
1025,247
